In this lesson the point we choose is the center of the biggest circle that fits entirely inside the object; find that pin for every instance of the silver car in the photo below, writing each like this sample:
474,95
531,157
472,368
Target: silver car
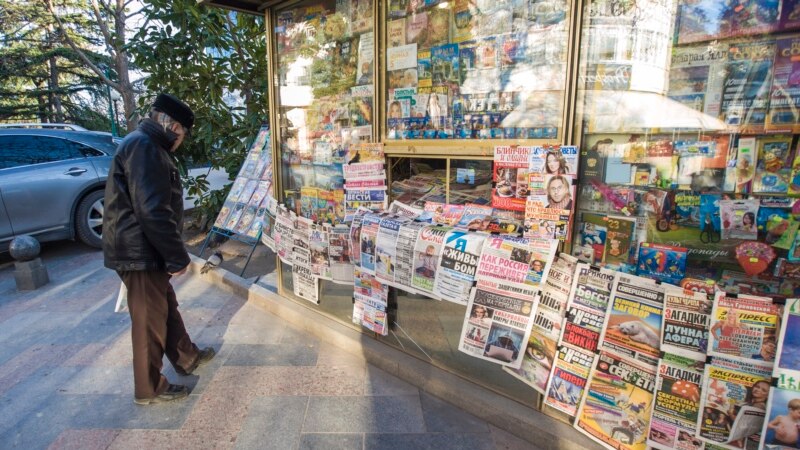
52,182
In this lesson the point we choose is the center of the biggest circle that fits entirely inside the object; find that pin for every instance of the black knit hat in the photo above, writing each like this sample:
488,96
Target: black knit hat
171,106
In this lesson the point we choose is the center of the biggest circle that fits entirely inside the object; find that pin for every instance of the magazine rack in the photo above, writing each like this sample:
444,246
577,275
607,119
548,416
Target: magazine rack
252,242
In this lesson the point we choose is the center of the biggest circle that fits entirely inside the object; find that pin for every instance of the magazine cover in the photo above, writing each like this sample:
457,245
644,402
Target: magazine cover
561,160
236,189
665,263
248,216
783,407
676,404
537,362
696,76
404,259
475,217
224,214
546,223
511,188
633,319
369,235
744,327
687,316
740,175
620,240
426,257
566,382
319,247
416,26
265,222
616,408
374,200
773,169
444,64
738,218
451,214
339,254
733,402
457,265
590,242
785,93
495,326
386,248
236,213
745,92
369,302
396,32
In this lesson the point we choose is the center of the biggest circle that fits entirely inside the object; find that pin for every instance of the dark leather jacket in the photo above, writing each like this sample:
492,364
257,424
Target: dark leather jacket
143,211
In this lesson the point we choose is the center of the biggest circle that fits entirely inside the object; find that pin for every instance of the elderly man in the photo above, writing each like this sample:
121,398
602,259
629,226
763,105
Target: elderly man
142,242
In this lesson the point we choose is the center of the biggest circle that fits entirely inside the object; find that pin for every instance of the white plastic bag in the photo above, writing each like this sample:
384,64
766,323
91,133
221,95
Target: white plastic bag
122,299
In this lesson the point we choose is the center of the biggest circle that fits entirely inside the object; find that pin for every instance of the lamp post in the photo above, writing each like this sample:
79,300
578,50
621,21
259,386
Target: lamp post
112,97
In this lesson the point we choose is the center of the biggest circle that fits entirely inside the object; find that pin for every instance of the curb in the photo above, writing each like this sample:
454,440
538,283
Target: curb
497,410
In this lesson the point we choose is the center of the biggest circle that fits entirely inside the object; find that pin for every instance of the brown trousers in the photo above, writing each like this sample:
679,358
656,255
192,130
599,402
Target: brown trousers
156,328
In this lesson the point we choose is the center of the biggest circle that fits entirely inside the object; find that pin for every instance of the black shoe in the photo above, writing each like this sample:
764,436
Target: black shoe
173,392
205,355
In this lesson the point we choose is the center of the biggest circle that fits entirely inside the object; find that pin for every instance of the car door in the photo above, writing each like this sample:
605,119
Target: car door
6,232
42,177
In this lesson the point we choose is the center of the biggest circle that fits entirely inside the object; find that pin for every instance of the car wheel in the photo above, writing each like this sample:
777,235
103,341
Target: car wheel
89,219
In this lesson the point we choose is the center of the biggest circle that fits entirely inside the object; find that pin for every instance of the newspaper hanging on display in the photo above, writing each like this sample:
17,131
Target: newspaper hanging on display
616,408
734,402
687,316
427,251
540,353
458,265
782,430
369,302
744,327
369,236
501,307
406,244
633,318
386,248
339,254
676,404
585,318
319,247
284,234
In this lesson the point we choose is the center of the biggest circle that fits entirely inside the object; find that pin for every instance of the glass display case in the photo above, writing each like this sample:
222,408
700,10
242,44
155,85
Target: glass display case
687,117
475,70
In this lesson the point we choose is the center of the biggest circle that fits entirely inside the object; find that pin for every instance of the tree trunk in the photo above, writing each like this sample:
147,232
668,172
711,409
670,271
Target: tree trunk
122,63
55,96
42,104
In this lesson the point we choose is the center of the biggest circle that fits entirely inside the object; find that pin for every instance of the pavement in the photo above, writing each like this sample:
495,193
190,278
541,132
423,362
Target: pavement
66,379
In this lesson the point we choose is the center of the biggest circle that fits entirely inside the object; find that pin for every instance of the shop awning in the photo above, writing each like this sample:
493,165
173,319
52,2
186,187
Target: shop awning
246,6
626,111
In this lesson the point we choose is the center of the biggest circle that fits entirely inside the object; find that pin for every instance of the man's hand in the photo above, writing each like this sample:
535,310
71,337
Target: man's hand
180,272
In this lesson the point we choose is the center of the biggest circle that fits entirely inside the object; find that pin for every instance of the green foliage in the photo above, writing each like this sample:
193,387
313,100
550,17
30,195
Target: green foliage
207,57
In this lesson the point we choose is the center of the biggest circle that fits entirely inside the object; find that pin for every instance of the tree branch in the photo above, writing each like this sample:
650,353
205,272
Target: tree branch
78,51
104,29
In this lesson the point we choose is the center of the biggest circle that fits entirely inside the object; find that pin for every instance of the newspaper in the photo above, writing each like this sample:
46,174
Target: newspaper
686,318
305,284
301,235
270,207
496,326
369,236
515,265
458,265
783,407
743,327
733,401
374,200
284,229
339,254
590,292
633,319
404,264
537,362
676,404
386,248
369,302
426,257
616,408
403,210
355,238
319,247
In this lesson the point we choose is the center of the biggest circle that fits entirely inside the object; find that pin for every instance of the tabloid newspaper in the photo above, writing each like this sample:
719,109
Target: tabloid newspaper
270,207
782,429
616,408
591,290
458,265
540,352
633,319
284,230
374,200
339,254
301,235
319,247
687,315
676,404
369,302
515,265
386,248
744,327
426,257
403,210
733,402
355,238
369,236
404,264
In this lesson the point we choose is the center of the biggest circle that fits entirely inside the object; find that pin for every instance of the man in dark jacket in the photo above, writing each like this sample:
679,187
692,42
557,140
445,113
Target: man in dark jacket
142,242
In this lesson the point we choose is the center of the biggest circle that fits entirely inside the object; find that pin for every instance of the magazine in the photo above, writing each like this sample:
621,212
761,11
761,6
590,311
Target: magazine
266,223
510,178
733,401
427,251
783,407
224,214
744,327
475,217
687,316
457,265
620,241
633,319
745,92
773,169
615,411
566,382
339,254
676,404
370,298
